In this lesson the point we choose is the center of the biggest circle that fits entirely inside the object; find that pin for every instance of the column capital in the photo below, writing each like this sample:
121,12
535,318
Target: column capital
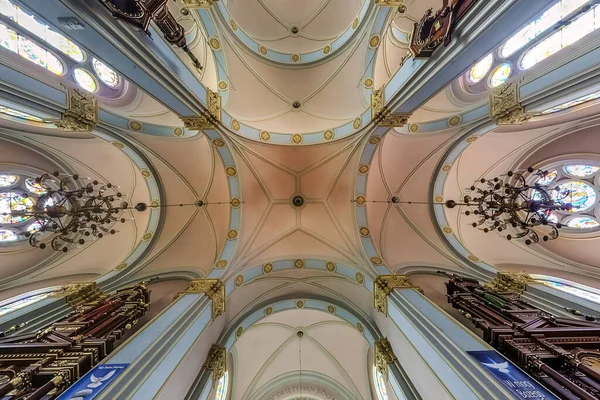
381,115
384,355
78,292
505,106
214,289
81,114
515,282
209,118
384,285
198,3
216,361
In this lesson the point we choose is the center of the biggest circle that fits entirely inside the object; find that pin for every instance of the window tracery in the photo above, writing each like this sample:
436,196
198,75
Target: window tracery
379,381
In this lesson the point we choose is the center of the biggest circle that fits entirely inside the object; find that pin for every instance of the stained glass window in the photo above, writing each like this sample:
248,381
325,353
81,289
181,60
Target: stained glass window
41,30
8,180
105,73
581,195
581,170
578,28
19,114
500,74
546,180
221,388
15,305
380,384
582,223
85,80
560,10
585,294
12,201
8,236
479,70
34,187
548,216
36,226
573,103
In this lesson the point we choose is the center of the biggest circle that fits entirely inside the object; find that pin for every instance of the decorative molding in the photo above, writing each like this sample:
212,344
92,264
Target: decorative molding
515,282
209,118
216,361
384,285
432,30
384,355
81,114
214,289
390,3
78,292
505,107
382,116
198,3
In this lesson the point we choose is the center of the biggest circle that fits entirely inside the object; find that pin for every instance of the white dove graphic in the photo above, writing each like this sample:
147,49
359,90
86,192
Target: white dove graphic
502,367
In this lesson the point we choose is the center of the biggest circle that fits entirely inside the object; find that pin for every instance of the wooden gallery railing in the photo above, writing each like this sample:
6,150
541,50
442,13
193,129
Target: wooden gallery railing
42,365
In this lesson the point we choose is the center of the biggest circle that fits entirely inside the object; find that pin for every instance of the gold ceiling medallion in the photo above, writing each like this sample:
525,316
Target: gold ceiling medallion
154,204
505,107
375,139
368,82
118,145
216,362
384,355
145,173
235,125
233,25
446,167
296,138
121,266
223,85
357,123
235,202
326,49
360,327
230,171
299,264
328,135
439,199
214,43
218,142
239,280
447,230
414,128
374,41
299,304
269,310
359,278
178,131
473,258
268,268
384,285
147,236
355,23
455,120
198,3
266,136
330,266
360,200
209,118
212,288
239,331
136,126
364,231
382,116
232,234
376,260
81,114
363,169
221,264
331,309
471,139
510,281
295,57
263,50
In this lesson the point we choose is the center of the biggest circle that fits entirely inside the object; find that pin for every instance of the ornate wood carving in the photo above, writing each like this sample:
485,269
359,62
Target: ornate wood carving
384,285
216,361
382,116
81,114
214,289
78,292
384,355
561,353
505,107
42,365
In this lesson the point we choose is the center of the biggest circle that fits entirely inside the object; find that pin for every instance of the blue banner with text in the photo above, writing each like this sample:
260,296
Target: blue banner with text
521,385
92,383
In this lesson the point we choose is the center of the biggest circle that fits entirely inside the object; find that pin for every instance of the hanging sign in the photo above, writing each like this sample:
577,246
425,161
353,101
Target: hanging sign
92,383
521,385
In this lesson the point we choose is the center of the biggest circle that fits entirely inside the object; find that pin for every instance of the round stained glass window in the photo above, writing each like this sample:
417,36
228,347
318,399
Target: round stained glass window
550,177
8,236
34,187
480,69
106,74
8,180
500,74
581,195
582,223
85,80
581,171
14,202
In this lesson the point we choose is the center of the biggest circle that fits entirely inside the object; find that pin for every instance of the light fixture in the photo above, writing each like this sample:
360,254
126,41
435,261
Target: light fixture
75,215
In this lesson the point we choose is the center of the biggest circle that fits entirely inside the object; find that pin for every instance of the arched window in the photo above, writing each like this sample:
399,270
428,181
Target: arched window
379,381
17,302
576,183
221,391
576,289
572,103
19,195
18,114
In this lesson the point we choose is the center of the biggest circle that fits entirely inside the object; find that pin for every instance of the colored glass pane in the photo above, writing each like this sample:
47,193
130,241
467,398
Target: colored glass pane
572,103
221,388
480,69
9,39
581,171
41,30
560,10
85,80
11,202
500,74
582,223
380,385
548,216
34,187
8,180
15,305
8,236
569,34
581,195
550,176
105,73
36,226
19,114
585,294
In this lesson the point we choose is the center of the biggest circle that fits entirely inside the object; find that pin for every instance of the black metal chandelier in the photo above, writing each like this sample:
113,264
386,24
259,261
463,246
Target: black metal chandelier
508,202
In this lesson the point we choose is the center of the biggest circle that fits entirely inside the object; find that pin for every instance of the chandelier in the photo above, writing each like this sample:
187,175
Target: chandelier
506,202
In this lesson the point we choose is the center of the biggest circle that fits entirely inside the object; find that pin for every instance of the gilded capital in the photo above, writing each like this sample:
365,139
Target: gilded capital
216,361
384,355
511,281
384,285
198,3
505,107
78,292
381,115
209,118
81,114
214,289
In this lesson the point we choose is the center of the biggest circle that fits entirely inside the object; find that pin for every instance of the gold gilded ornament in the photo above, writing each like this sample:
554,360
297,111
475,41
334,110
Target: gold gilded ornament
296,138
218,142
268,268
384,285
230,171
330,266
299,264
359,278
328,135
266,136
216,362
221,264
299,304
81,114
212,288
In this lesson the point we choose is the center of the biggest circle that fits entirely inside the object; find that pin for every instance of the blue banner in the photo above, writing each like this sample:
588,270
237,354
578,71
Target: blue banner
521,385
92,383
